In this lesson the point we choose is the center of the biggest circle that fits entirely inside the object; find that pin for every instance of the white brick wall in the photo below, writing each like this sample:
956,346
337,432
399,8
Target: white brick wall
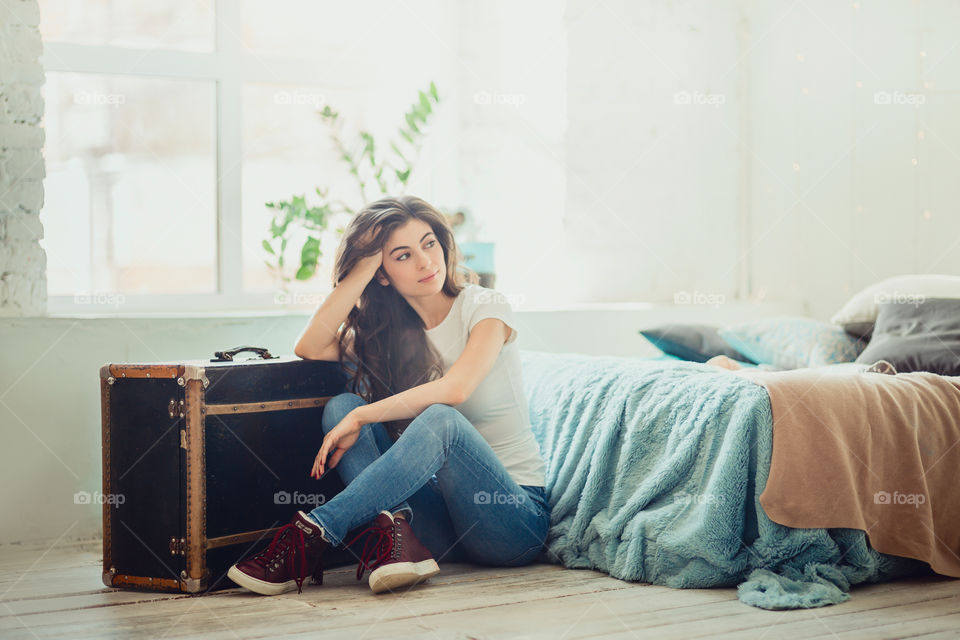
23,285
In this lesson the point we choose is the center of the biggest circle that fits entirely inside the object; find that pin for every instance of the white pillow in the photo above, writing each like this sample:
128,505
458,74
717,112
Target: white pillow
860,313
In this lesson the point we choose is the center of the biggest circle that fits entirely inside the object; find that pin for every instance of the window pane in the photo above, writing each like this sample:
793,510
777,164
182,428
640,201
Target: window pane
130,192
164,24
311,28
287,151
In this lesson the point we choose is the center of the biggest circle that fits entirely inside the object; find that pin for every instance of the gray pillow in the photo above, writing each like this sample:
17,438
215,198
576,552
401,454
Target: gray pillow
696,342
923,335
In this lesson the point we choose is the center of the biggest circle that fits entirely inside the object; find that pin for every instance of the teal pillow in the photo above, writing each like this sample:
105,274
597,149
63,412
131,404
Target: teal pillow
792,342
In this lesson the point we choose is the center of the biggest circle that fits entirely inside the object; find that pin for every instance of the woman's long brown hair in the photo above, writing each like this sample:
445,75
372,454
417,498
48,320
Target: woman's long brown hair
392,353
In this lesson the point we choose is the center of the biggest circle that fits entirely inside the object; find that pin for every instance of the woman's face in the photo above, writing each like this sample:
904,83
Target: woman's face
412,253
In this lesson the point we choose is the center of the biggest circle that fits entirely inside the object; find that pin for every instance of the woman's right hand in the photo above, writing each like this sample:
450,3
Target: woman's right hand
369,264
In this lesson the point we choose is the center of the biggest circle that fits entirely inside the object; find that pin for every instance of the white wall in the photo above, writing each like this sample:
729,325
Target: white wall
651,203
846,191
789,180
514,125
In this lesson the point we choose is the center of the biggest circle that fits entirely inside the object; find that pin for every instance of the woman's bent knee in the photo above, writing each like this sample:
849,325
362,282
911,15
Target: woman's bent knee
441,420
439,410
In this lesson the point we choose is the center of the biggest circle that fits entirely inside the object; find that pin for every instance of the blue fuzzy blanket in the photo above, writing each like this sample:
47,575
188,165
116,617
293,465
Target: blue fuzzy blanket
654,470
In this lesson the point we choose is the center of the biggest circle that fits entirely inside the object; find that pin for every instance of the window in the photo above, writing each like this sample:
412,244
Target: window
168,127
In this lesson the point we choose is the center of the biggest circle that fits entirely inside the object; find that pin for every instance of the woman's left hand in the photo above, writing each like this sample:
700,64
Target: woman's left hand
337,440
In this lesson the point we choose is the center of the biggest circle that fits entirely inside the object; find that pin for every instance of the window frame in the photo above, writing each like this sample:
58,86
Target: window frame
229,66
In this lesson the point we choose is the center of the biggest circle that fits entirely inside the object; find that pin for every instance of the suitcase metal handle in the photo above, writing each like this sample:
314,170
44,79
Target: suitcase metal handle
226,356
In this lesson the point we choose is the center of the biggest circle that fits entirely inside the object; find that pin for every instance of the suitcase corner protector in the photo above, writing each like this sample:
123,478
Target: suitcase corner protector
193,585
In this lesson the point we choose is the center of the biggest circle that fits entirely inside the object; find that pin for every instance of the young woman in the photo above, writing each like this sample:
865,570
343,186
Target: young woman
433,440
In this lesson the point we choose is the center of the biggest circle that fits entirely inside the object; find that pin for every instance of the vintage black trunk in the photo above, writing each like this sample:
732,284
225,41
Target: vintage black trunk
204,460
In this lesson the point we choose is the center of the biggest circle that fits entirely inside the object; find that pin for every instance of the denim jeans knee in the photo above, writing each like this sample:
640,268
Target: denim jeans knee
338,407
441,420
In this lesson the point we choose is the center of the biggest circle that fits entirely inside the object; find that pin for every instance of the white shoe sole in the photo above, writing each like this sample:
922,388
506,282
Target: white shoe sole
402,574
259,586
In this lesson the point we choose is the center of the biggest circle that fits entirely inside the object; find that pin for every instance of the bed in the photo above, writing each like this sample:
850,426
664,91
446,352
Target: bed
655,471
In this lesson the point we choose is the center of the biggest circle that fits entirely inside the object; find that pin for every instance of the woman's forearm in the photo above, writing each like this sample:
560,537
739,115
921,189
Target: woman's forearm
409,403
323,326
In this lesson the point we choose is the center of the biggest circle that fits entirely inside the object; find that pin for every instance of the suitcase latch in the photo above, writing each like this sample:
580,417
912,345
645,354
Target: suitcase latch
178,546
175,409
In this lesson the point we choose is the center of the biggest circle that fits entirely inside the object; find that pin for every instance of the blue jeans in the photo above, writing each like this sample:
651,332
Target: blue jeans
460,501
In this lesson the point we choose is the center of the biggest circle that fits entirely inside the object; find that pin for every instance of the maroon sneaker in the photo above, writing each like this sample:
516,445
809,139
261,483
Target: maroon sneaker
397,558
296,548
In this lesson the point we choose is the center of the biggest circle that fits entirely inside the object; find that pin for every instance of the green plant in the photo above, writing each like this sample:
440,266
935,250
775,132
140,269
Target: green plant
382,172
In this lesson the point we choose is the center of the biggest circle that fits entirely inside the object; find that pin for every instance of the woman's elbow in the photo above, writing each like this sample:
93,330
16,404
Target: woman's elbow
301,352
455,395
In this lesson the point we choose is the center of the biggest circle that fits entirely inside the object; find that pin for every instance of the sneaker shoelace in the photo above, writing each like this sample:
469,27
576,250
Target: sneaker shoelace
374,555
282,544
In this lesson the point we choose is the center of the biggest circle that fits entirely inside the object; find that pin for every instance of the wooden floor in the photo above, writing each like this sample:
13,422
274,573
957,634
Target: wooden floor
56,592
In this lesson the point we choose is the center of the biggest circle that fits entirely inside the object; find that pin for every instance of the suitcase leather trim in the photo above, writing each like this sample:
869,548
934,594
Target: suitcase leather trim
194,577
274,405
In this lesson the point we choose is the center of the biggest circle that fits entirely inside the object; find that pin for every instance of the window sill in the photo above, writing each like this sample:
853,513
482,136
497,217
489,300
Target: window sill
736,307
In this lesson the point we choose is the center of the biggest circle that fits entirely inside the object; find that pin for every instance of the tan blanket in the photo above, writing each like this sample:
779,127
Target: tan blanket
868,451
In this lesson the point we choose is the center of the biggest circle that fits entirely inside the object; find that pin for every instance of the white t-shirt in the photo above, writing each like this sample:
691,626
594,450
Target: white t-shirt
498,407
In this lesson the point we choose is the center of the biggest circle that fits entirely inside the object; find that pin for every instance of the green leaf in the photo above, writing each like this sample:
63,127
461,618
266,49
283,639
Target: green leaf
268,248
403,175
396,149
368,142
310,251
433,91
306,271
411,123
